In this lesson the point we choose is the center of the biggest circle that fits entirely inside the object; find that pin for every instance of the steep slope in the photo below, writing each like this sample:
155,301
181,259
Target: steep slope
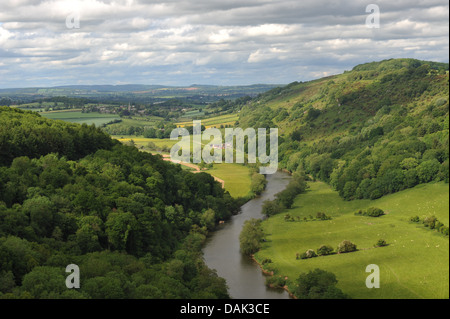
375,130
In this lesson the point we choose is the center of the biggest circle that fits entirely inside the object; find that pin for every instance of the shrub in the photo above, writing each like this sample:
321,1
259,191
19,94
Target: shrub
271,208
276,281
310,253
322,216
371,212
318,284
433,223
430,221
288,218
325,250
302,256
381,243
346,246
374,212
415,219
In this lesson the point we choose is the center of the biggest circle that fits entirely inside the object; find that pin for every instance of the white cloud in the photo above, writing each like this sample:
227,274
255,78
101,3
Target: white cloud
225,42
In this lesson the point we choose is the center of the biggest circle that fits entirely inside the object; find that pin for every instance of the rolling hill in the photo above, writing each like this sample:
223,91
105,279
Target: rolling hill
375,136
372,131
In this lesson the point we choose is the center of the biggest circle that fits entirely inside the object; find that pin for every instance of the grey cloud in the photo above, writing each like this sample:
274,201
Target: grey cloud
184,42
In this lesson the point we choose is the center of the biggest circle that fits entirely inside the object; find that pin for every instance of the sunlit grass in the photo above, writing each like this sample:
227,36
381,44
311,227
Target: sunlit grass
414,265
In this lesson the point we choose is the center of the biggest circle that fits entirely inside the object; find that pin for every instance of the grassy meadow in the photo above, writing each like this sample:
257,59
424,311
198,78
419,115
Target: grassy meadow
147,121
415,264
81,118
237,178
142,142
214,122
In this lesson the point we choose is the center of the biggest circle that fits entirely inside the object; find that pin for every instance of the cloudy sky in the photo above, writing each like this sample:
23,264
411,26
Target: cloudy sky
227,42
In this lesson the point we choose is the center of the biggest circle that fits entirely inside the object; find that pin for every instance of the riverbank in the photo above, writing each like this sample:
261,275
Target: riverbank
271,273
222,249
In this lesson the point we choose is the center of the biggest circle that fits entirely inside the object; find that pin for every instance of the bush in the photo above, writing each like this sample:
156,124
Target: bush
322,216
275,282
325,250
318,284
288,218
433,223
430,221
438,225
415,219
371,212
271,208
310,253
346,247
374,212
381,243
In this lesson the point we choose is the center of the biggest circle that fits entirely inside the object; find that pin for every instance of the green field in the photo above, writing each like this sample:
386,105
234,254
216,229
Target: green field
237,178
142,142
217,121
148,121
81,118
415,264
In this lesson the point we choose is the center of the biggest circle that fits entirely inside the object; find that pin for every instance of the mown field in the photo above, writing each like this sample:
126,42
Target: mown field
237,178
214,122
143,142
148,121
415,264
82,118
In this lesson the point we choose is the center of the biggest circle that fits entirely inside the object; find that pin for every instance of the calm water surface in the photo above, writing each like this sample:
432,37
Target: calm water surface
221,252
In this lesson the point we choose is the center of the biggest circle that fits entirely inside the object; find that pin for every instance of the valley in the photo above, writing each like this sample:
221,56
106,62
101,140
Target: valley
87,176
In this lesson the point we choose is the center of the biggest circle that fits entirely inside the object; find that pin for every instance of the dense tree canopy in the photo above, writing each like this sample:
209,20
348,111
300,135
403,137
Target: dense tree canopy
372,131
132,222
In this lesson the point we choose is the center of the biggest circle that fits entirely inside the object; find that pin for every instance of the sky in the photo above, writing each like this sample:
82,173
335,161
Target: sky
47,43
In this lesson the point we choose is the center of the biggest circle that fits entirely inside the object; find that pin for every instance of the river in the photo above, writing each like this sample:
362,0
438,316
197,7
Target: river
244,277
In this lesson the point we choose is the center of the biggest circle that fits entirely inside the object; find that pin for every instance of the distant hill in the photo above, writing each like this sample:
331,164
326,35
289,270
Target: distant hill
137,92
377,129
